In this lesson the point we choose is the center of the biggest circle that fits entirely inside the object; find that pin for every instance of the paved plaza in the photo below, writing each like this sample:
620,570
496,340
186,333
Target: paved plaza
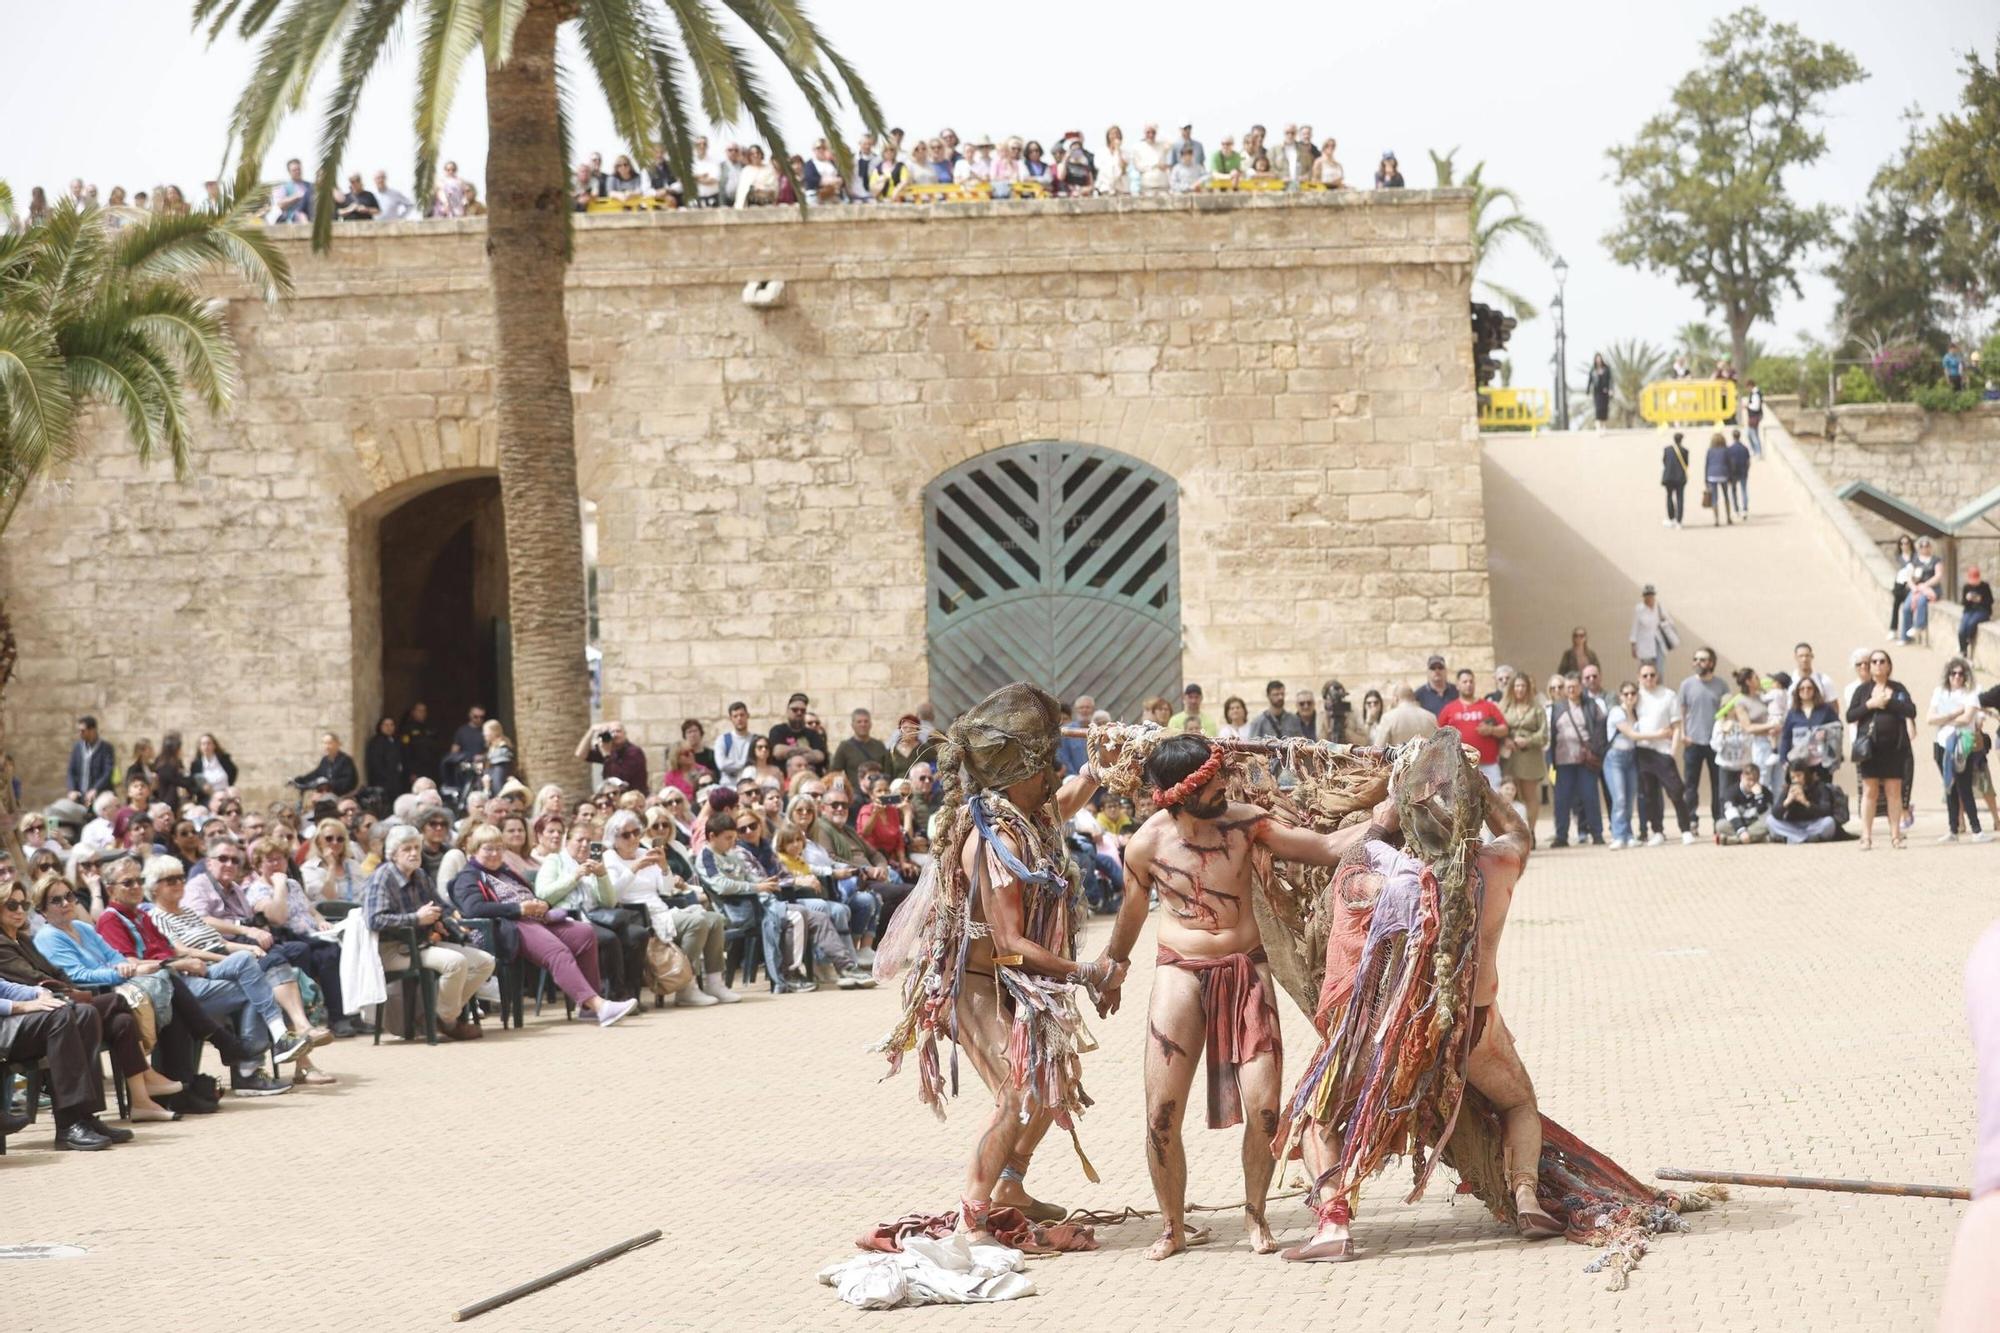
1763,1009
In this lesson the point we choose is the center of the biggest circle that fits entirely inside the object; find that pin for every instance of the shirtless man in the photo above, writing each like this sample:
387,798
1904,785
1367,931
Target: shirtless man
1213,987
1494,1067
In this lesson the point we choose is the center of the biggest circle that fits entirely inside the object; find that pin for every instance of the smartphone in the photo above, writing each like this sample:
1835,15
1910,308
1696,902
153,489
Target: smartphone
597,851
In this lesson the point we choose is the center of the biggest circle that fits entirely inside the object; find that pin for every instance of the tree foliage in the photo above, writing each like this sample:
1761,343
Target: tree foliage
1956,169
1702,187
93,313
1496,219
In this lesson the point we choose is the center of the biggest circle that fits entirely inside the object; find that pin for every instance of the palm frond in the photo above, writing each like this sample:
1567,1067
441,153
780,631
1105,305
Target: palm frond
712,58
617,40
167,245
192,329
857,91
783,40
1492,234
106,379
1443,165
287,63
369,37
36,398
6,205
757,104
676,131
1524,309
503,20
451,29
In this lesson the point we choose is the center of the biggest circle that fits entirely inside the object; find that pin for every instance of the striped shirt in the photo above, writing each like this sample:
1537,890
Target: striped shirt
187,929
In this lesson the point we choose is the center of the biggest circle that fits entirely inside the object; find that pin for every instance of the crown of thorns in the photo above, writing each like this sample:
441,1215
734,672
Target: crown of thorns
1190,784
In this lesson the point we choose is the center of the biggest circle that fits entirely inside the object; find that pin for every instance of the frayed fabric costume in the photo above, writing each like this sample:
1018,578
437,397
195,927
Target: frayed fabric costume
1007,738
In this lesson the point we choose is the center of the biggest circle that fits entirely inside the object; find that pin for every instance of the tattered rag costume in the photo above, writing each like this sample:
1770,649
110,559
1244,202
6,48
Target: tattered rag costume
1017,1027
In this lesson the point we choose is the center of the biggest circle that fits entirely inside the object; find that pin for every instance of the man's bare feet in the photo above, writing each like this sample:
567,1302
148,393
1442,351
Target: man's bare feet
1175,1239
1009,1194
1259,1231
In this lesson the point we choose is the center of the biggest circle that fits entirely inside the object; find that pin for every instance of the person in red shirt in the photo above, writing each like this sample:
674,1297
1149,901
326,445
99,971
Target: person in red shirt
881,822
1480,723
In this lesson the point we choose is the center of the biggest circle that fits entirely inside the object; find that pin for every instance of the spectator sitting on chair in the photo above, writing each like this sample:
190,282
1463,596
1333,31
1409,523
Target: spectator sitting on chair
884,824
399,895
563,946
21,962
730,873
573,878
863,866
35,1025
332,872
335,767
289,914
640,876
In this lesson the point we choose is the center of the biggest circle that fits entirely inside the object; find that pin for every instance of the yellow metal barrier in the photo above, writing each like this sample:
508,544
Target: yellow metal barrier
1513,409
1671,402
1031,189
937,192
625,203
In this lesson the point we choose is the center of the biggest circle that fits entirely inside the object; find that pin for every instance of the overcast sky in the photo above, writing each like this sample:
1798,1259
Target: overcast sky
121,92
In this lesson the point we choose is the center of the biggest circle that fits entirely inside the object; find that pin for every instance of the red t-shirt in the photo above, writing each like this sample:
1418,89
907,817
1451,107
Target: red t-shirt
1464,716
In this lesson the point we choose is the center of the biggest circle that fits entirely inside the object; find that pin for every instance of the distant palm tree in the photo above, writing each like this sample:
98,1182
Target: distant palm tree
1634,364
92,315
1702,345
650,60
1489,233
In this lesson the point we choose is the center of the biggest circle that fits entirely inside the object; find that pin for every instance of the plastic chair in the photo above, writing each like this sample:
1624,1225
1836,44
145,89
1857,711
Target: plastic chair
417,975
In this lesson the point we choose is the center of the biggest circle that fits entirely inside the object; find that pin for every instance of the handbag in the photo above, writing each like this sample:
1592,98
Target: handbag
1863,748
1670,636
1708,497
667,970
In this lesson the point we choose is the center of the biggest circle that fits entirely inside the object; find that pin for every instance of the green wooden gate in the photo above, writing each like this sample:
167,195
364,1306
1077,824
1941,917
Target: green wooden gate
1057,564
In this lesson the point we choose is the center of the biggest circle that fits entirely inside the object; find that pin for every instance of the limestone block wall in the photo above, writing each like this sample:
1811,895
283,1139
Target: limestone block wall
1938,461
1300,365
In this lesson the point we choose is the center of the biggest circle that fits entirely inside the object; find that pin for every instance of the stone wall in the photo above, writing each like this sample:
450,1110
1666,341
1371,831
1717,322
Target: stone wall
1301,366
1937,461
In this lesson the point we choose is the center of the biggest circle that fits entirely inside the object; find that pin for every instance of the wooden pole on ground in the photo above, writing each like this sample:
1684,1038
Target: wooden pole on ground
1817,1183
550,1279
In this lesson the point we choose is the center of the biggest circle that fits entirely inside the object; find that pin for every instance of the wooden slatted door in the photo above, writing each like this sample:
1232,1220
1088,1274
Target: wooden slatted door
1057,564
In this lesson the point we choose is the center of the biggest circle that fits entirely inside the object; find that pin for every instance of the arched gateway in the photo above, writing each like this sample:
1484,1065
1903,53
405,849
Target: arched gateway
1058,564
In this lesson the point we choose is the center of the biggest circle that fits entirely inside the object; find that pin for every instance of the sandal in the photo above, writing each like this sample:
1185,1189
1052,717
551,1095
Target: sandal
313,1078
1326,1252
1537,1225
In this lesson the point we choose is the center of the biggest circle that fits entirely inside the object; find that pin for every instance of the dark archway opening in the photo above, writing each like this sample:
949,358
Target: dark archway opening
444,605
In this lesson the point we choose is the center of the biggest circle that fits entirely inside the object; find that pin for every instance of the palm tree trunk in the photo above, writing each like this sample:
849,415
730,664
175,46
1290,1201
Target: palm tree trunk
526,249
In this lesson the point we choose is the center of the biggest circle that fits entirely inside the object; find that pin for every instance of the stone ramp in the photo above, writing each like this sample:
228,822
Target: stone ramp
1574,530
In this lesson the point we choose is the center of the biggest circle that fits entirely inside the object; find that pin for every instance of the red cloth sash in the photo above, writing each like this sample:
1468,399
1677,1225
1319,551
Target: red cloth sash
1241,1024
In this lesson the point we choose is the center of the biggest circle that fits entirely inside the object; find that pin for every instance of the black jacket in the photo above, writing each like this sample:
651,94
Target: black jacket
338,771
385,764
1895,736
474,898
1673,466
90,768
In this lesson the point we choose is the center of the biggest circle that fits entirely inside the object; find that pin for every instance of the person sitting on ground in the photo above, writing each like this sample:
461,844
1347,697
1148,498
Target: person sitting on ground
400,896
641,878
563,946
21,962
1743,810
1805,813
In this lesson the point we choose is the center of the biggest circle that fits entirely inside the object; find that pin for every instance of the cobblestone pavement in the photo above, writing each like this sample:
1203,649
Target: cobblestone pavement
1753,1008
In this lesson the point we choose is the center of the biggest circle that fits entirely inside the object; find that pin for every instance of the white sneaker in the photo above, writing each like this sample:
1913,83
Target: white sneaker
1620,844
1948,837
691,997
1982,836
711,985
610,1011
1666,523
865,957
1655,841
1687,839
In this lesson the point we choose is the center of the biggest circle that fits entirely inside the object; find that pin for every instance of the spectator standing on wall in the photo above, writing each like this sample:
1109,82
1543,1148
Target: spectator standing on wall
1149,155
1598,386
294,195
1954,369
394,204
1389,176
1226,161
1188,174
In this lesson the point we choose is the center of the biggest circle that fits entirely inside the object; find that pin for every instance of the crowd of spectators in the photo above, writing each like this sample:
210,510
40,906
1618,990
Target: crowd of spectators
744,175
152,911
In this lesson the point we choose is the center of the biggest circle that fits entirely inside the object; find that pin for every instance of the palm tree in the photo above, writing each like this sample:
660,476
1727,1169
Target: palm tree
1490,233
1701,344
92,315
650,61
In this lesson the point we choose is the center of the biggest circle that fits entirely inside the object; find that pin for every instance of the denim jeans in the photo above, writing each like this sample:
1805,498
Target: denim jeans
249,973
1576,785
1968,629
1622,776
1753,435
863,905
1693,760
1916,614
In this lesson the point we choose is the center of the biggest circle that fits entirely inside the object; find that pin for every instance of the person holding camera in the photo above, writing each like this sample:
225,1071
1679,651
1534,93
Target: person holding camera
605,743
677,913
574,879
884,823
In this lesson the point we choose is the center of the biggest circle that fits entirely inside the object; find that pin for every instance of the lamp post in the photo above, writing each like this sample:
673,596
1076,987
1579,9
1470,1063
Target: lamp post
1562,349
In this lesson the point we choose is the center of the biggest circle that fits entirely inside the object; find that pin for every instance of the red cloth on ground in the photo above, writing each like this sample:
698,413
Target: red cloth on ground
1009,1226
1241,1021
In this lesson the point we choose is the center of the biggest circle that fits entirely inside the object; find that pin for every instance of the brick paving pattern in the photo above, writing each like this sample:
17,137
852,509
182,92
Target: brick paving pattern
1763,1009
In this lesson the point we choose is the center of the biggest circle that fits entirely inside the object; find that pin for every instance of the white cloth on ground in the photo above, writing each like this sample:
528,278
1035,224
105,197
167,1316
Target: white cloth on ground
930,1272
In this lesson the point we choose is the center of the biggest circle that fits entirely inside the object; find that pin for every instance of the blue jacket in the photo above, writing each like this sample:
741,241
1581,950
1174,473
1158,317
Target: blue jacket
90,963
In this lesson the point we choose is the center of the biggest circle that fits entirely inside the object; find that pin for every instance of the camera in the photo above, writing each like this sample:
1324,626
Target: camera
604,737
892,799
597,851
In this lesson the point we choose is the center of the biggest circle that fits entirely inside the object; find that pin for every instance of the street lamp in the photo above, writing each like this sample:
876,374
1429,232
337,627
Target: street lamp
1562,349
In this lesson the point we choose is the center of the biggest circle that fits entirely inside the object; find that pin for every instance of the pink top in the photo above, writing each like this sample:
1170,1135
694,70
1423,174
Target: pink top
1982,1009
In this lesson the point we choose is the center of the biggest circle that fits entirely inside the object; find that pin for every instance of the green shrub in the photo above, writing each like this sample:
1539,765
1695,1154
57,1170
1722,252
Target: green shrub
1940,398
1858,386
1989,360
1777,374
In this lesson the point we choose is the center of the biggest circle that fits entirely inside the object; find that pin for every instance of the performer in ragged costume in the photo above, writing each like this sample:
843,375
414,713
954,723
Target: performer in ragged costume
1388,902
991,937
1212,990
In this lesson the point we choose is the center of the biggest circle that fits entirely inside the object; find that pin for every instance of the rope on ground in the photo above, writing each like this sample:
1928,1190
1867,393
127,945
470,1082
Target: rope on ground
1106,1217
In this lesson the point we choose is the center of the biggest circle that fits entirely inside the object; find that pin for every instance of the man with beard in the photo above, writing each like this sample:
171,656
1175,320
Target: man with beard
1213,986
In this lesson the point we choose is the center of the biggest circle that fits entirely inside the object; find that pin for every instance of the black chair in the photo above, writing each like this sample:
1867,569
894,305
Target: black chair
742,944
415,976
336,909
507,972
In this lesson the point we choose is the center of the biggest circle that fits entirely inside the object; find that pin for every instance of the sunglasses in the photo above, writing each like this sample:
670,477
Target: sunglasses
35,827
627,833
1878,661
836,805
227,860
59,899
15,904
168,879
132,883
746,828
